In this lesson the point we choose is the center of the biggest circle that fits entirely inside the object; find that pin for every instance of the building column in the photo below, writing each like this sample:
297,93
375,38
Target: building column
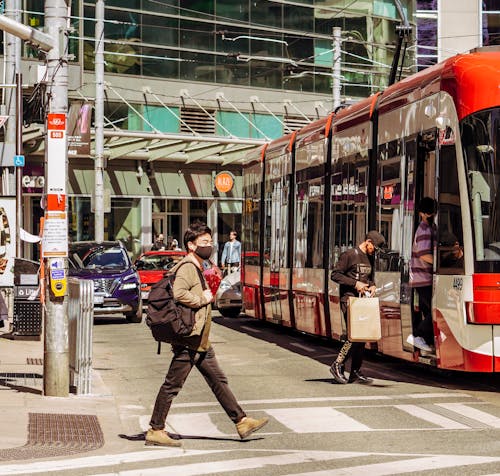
146,223
459,27
212,223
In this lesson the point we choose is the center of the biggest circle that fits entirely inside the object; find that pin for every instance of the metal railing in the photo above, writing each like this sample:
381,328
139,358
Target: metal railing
80,325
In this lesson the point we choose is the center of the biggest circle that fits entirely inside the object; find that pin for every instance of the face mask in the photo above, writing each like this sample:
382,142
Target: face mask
204,252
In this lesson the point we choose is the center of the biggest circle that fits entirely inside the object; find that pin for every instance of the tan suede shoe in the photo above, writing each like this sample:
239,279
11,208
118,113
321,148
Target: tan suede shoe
160,438
248,425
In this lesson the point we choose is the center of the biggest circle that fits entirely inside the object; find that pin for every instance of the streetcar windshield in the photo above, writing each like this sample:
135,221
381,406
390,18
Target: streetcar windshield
480,133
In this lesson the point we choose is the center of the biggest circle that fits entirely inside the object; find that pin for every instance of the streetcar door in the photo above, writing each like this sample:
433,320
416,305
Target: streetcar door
276,274
420,181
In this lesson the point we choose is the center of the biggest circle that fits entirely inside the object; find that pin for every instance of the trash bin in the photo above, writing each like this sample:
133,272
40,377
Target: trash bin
27,318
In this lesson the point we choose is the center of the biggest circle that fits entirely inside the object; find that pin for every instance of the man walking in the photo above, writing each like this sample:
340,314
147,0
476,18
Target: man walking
354,273
231,254
196,350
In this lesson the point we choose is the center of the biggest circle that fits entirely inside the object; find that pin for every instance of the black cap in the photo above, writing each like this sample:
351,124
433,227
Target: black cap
376,238
427,205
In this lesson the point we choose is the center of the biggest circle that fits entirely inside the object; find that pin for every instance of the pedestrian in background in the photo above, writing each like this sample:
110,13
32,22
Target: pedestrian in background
354,274
421,270
196,349
231,254
159,244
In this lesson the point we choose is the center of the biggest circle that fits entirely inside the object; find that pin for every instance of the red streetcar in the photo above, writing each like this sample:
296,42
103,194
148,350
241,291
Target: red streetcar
316,192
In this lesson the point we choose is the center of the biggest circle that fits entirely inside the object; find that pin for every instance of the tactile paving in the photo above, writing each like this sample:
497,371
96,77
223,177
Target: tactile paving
56,434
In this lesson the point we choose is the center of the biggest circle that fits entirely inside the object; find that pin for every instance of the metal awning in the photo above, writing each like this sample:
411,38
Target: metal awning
154,146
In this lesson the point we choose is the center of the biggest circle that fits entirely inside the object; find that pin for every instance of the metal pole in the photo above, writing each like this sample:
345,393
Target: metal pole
19,170
99,122
56,347
336,88
12,66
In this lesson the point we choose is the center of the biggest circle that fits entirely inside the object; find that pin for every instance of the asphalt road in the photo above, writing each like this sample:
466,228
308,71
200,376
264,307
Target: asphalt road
412,420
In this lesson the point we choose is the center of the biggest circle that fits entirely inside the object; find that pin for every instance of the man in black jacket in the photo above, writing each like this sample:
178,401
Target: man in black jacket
354,273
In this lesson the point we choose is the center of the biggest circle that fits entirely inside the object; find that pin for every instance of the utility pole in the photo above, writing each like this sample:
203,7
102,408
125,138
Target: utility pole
11,148
336,88
55,236
99,122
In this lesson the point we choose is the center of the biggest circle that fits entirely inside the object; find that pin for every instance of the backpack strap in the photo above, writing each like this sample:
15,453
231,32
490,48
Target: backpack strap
200,274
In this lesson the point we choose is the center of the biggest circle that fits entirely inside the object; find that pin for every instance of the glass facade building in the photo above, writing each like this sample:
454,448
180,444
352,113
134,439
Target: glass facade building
279,51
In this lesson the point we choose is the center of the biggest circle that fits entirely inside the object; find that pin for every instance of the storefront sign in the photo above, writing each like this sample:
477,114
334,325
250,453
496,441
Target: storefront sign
224,182
55,235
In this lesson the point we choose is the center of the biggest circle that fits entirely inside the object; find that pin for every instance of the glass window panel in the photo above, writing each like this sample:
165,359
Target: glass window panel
197,67
197,35
450,233
197,8
165,6
124,223
298,18
236,9
266,74
491,28
266,13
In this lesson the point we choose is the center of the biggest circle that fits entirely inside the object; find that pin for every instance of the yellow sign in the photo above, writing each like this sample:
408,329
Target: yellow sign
224,182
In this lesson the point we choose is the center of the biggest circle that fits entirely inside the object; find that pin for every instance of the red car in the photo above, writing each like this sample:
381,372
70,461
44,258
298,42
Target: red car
152,267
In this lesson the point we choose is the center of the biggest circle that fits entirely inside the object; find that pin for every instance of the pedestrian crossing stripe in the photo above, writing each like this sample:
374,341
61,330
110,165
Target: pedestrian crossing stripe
436,416
231,461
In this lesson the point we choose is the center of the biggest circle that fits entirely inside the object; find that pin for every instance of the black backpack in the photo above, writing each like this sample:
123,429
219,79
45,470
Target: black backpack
169,320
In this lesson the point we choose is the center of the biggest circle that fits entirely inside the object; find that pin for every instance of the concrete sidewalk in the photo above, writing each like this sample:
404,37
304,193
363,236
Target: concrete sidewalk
37,426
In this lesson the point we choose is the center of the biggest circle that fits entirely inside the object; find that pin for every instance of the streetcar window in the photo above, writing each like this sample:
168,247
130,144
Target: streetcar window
450,251
480,134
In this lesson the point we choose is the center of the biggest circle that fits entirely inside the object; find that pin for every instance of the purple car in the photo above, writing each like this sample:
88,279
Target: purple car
117,287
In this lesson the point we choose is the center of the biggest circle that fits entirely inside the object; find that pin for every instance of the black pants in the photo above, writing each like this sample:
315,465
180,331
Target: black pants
350,350
422,323
182,362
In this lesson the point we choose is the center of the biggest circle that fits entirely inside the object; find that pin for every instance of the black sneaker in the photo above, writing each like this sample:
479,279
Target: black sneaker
337,370
357,376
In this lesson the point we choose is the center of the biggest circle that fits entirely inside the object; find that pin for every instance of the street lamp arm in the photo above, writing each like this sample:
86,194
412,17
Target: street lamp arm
26,33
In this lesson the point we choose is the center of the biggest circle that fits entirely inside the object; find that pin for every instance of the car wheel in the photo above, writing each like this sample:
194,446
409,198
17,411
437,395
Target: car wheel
230,311
135,317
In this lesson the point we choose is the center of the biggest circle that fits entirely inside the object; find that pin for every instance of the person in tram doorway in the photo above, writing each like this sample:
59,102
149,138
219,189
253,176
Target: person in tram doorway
196,350
231,254
421,266
354,274
159,244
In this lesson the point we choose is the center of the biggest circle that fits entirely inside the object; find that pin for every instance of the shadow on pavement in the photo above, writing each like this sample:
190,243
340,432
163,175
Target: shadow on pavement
376,365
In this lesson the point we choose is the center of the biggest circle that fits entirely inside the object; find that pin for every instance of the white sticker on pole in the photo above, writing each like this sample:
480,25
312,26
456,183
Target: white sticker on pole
55,235
56,154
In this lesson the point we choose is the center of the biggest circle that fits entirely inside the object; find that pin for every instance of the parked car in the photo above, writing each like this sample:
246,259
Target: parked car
152,267
228,297
116,282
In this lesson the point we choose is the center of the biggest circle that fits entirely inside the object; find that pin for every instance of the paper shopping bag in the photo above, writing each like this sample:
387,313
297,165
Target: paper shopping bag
363,319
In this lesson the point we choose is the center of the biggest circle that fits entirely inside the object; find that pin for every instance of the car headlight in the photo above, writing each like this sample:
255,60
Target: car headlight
224,286
128,286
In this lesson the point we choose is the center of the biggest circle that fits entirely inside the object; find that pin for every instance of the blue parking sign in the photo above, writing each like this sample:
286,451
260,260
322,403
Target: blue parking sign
19,160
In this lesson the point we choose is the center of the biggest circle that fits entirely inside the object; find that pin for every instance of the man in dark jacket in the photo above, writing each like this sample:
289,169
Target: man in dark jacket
354,273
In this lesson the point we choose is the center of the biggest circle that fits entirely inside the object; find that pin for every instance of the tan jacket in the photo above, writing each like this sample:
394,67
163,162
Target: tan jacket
189,291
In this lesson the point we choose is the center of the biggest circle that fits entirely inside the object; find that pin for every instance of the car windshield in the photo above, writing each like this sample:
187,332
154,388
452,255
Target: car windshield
480,133
157,262
99,256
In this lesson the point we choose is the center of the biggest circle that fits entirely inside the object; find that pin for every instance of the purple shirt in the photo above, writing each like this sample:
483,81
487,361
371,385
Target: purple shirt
423,244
